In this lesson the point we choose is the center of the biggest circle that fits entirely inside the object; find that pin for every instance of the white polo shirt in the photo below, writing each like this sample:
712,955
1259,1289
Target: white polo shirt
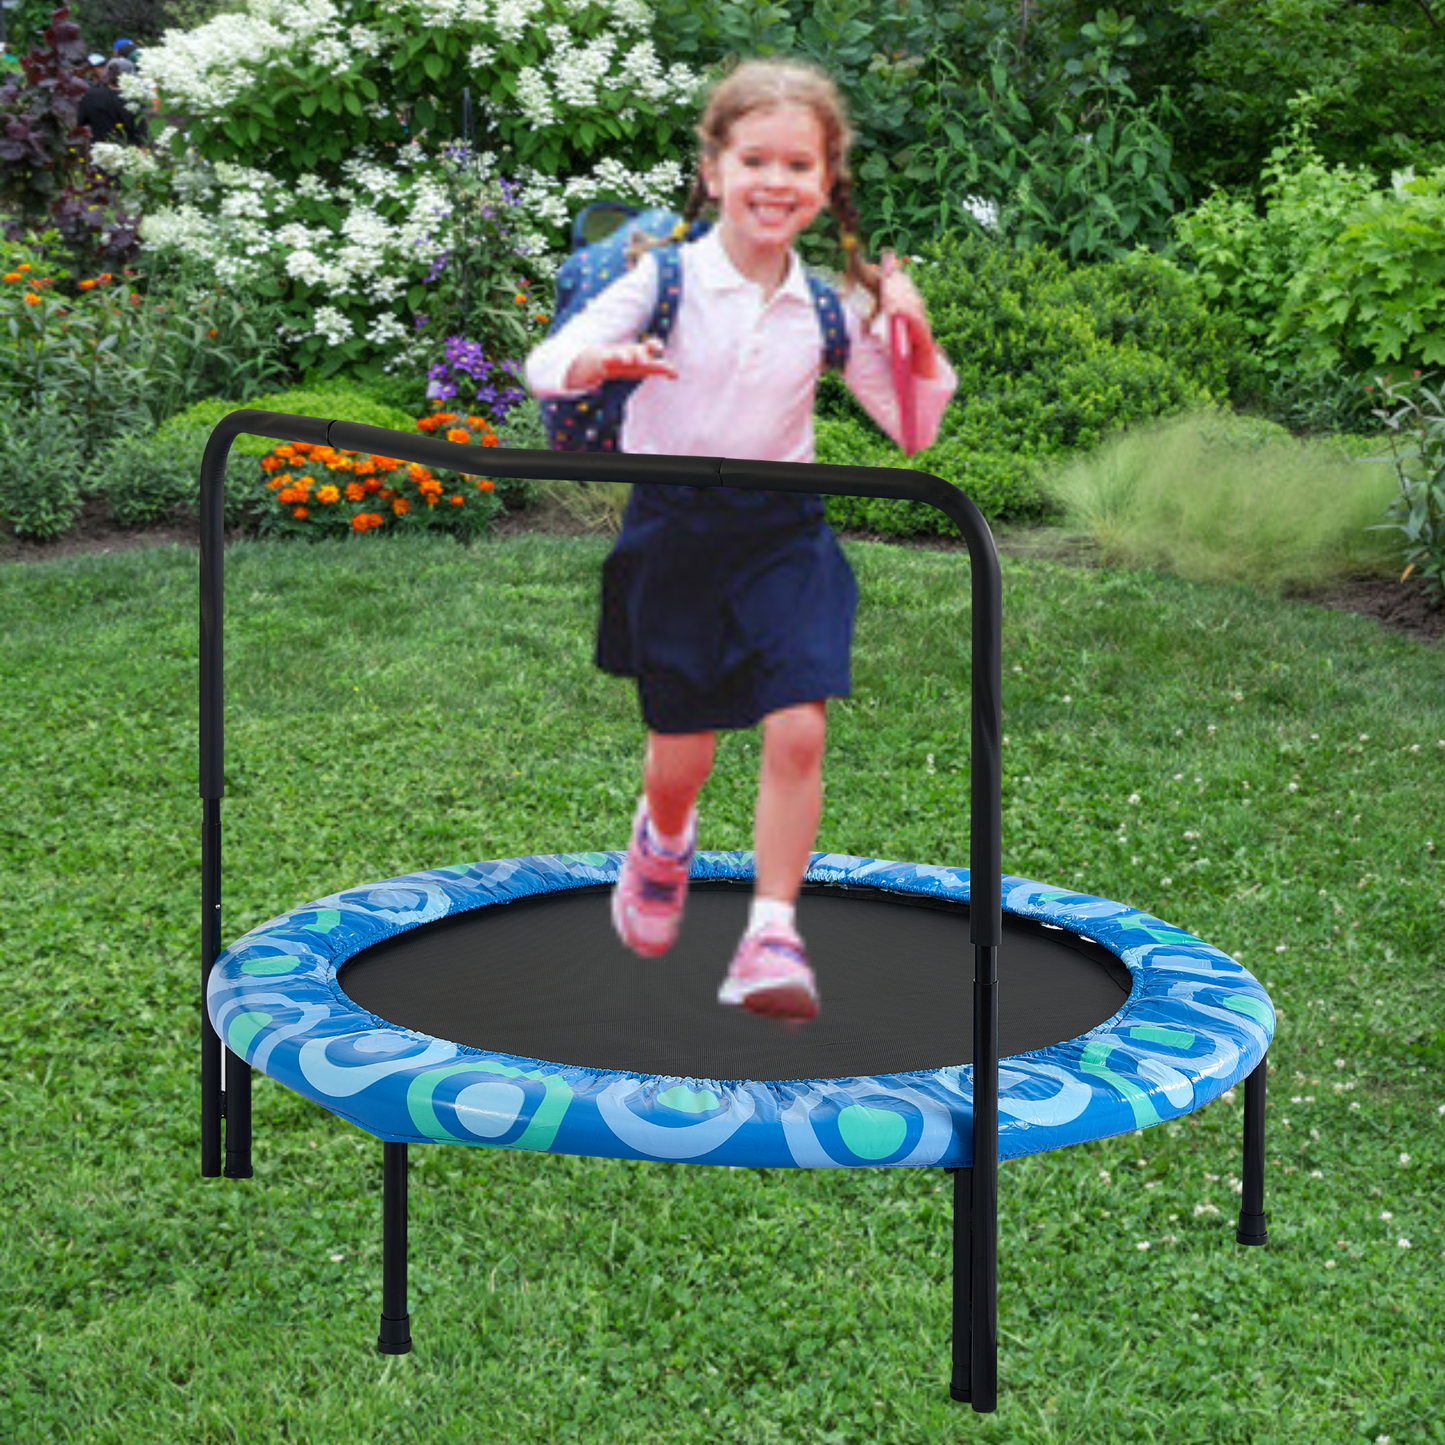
747,368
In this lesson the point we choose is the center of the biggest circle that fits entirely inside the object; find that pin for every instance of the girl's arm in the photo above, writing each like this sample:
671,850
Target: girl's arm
869,375
571,360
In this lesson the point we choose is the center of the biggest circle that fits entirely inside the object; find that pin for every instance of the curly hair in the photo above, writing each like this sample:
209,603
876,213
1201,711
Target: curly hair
766,84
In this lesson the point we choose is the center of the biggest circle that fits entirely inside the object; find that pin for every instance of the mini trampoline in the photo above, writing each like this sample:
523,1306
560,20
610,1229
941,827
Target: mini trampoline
490,1004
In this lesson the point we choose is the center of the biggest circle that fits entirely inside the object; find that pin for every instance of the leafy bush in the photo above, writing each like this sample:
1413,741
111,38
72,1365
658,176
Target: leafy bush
115,358
297,88
42,471
39,146
1414,419
1376,291
1217,497
145,481
1093,176
336,401
1050,359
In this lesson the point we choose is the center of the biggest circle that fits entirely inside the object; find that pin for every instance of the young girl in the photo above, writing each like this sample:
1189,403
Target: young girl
731,607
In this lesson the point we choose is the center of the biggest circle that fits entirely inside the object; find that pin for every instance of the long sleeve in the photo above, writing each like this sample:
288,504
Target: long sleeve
869,376
616,314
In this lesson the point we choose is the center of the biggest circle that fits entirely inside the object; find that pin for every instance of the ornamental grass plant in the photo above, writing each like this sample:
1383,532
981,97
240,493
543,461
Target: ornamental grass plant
1263,774
1214,497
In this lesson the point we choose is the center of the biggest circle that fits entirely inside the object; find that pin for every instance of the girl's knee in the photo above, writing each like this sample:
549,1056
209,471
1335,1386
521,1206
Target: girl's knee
794,737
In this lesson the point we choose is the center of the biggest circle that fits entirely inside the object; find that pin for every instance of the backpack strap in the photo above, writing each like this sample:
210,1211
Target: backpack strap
830,320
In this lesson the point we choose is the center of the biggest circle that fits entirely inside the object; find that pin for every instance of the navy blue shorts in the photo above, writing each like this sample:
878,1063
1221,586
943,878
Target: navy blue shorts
726,606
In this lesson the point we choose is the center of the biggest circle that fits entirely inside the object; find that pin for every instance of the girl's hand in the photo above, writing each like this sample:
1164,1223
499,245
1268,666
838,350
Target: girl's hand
610,363
899,297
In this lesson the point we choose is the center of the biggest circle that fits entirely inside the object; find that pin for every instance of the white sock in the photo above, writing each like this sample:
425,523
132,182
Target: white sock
770,910
675,845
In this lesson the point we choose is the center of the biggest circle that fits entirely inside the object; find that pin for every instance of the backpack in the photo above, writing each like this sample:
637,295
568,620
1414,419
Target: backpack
593,421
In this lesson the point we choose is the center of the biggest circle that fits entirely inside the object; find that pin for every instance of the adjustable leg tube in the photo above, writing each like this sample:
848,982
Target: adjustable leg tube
960,1386
395,1336
1251,1209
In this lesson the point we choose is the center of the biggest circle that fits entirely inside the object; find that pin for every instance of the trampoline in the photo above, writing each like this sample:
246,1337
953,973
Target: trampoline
491,1004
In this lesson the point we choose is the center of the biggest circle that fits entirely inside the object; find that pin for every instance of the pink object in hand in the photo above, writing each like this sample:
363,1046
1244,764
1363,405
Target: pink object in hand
903,382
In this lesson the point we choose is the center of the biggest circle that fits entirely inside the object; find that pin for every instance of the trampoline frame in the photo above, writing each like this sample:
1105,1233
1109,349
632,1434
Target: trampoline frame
226,1078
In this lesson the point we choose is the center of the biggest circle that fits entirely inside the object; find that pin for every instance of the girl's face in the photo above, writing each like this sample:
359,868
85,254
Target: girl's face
770,180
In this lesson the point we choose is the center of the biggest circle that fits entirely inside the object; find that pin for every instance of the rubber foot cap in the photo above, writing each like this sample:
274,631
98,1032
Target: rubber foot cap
395,1336
1251,1229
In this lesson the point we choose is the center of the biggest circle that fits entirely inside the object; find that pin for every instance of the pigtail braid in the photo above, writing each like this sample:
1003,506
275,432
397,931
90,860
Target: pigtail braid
858,270
640,243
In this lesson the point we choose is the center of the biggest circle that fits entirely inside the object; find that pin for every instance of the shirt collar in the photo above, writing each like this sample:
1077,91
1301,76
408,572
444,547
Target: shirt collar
717,272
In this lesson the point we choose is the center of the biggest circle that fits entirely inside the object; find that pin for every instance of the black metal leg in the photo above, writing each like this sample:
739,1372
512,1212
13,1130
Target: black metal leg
395,1336
959,1387
1251,1209
237,1109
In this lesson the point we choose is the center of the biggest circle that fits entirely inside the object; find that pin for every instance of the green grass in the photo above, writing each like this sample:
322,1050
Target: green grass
413,703
1219,498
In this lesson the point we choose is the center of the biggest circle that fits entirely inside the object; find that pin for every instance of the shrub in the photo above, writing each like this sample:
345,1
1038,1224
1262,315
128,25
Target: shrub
145,481
337,401
41,471
1375,294
1050,359
1414,419
1216,497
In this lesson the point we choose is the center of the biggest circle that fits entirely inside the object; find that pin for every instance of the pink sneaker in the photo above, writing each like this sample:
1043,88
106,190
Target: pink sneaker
770,976
651,890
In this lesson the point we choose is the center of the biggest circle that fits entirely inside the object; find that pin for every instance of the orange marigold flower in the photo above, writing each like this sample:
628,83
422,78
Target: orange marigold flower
520,299
300,513
87,285
31,299
105,278
486,485
491,440
213,333
360,522
478,421
272,463
13,276
426,423
354,491
284,450
432,498
387,494
26,267
289,495
386,464
457,501
459,434
328,494
371,484
418,473
540,317
376,519
401,506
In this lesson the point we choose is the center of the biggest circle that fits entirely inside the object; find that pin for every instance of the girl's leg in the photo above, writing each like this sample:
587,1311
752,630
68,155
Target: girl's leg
677,766
790,799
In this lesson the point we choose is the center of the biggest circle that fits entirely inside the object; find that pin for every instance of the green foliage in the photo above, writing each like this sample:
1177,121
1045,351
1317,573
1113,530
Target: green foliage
41,471
1376,291
1250,259
1414,421
117,359
335,400
1092,175
1215,497
306,114
146,480
1374,65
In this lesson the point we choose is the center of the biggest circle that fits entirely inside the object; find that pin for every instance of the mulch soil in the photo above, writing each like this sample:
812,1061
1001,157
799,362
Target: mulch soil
1400,607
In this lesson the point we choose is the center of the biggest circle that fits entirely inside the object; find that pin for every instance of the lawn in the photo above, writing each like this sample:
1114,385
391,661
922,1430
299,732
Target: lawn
1264,774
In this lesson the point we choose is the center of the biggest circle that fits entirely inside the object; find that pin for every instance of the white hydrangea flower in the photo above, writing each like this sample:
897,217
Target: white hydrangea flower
386,330
481,56
331,325
533,97
512,17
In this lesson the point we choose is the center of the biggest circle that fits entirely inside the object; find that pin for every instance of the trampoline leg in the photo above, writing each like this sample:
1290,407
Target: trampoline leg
236,1106
960,1386
395,1336
1251,1209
